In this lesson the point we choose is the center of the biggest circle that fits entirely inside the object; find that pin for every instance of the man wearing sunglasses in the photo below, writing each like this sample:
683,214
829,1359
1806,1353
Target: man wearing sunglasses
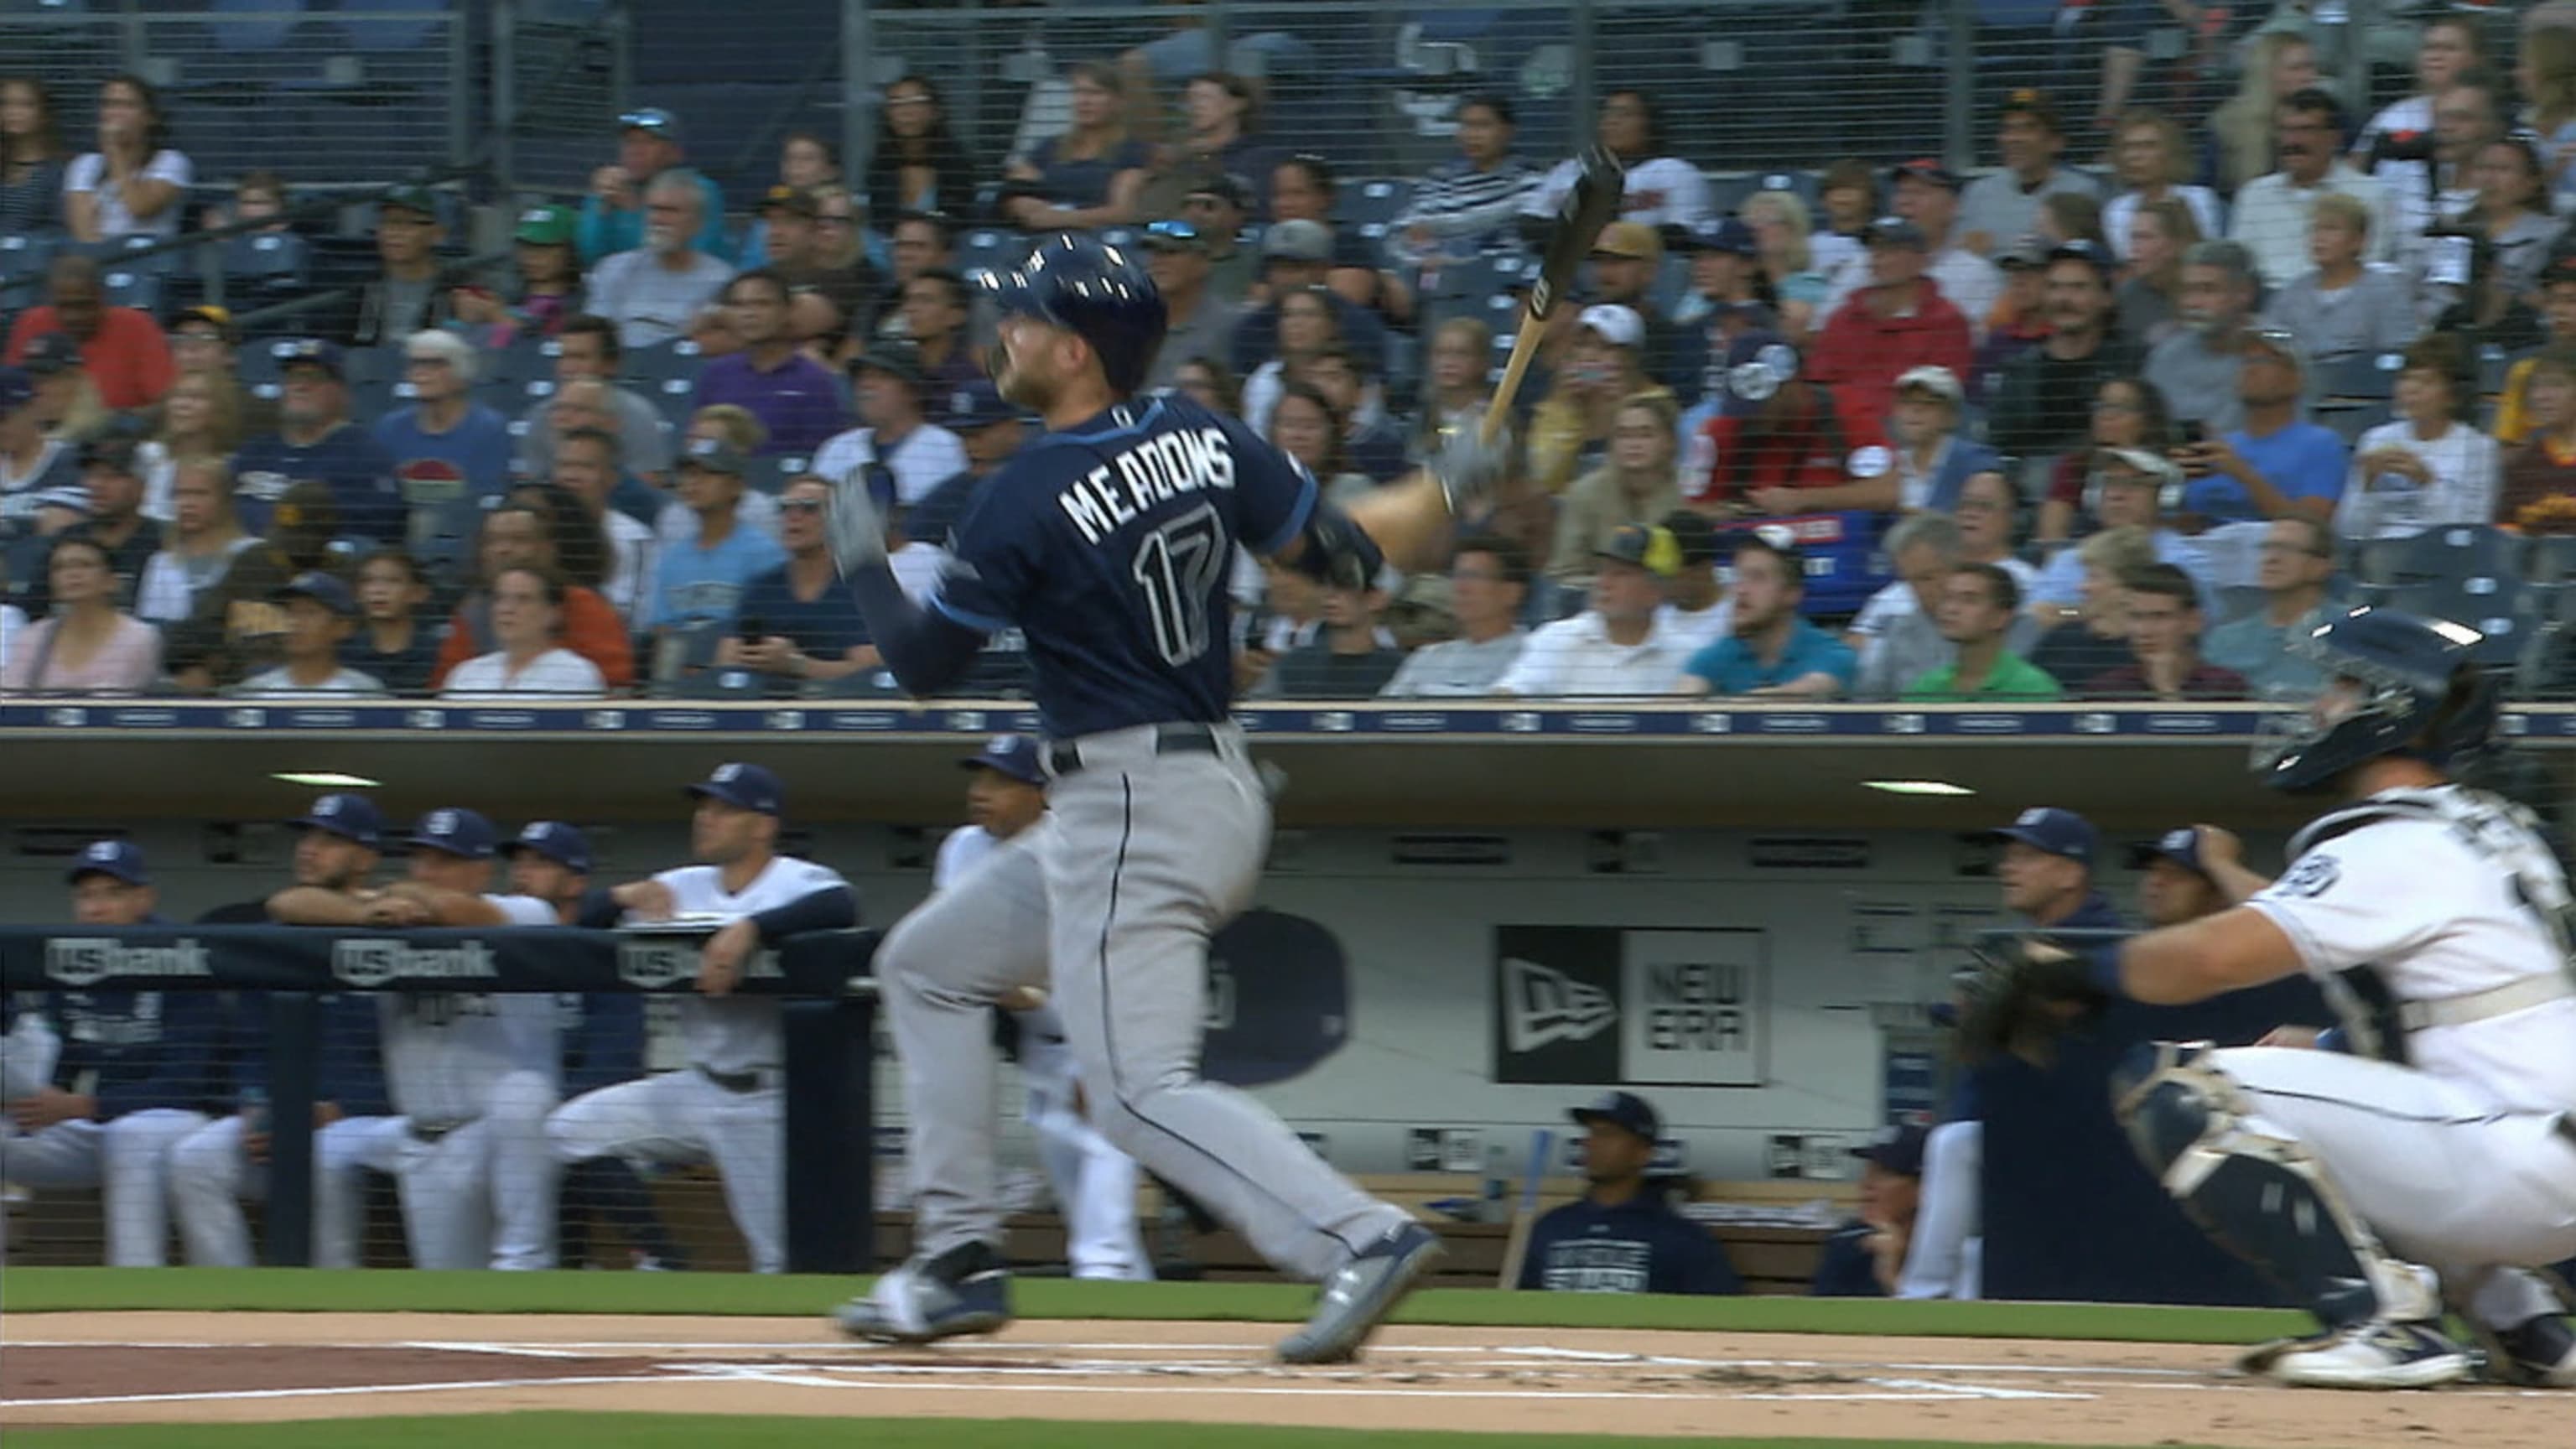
808,626
612,216
1176,252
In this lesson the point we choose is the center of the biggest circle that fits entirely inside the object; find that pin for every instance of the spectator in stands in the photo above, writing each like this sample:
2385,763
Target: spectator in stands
1623,1235
2271,220
2197,368
921,240
527,613
587,467
1467,207
702,581
86,645
805,161
2275,463
1489,580
2512,212
917,165
1662,189
1635,484
1987,515
1897,634
1345,660
2558,317
2020,316
390,643
2341,307
2002,206
581,555
1198,321
1848,193
408,295
1218,207
2450,51
1309,428
316,440
66,399
1604,368
2467,115
545,291
1370,444
1297,256
589,350
1864,1256
1618,647
237,626
893,431
2152,162
1773,652
2090,635
1207,382
1625,262
797,399
450,453
320,617
2150,300
1926,194
1979,614
2129,487
675,522
2070,216
519,536
1932,459
1787,259
1725,272
990,429
937,306
2278,65
1697,610
809,626
1458,388
2044,399
2128,412
1898,322
2430,466
1776,438
2164,625
39,476
2544,464
655,292
31,158
204,339
616,216
200,416
2544,71
1090,176
112,475
122,348
829,298
2298,558
1221,114
204,535
1304,188
134,184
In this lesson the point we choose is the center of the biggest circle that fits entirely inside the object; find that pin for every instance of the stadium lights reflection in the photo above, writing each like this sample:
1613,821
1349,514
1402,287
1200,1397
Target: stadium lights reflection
325,780
1918,787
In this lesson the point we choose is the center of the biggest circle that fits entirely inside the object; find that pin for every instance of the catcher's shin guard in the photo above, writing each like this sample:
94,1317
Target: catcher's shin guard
2265,1198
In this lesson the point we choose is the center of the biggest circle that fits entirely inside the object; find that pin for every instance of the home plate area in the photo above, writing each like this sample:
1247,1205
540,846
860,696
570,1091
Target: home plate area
171,1367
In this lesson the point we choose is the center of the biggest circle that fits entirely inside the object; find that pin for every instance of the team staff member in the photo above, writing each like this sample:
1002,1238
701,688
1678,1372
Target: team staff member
1622,1236
726,1103
152,1054
2173,885
1863,1257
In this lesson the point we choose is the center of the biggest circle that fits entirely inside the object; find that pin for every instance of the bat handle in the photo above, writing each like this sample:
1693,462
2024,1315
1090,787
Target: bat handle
1524,349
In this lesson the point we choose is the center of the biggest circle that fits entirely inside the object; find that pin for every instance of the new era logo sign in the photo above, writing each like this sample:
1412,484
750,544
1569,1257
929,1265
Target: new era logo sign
1541,1006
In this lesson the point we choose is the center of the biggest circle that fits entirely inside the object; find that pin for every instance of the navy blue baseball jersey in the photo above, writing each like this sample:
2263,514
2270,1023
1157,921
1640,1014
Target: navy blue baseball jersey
1640,1246
149,1048
1109,545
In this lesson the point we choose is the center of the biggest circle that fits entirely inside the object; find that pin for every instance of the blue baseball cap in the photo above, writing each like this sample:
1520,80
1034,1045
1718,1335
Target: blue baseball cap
311,352
979,404
122,859
1012,755
17,388
322,589
745,787
2181,845
556,841
351,817
1897,1147
1725,234
2059,832
1621,1109
454,832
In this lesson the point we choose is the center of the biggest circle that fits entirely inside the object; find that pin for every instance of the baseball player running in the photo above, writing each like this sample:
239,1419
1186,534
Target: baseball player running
2428,1156
150,1059
1106,542
725,1104
473,1074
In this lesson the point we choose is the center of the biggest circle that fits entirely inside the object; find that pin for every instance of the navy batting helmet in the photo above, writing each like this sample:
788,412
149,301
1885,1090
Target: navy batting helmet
1100,293
2420,694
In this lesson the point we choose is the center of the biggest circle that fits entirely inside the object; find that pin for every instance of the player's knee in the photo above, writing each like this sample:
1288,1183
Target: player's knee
2169,1098
566,1141
200,1159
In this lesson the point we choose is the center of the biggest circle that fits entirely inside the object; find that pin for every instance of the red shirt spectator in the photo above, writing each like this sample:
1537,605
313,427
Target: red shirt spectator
124,350
1774,430
1898,322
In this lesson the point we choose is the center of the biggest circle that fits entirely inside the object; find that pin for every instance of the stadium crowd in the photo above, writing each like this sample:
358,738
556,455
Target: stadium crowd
2039,430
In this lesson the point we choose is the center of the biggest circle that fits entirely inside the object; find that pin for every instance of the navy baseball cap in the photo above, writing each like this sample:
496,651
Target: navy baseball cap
1725,234
311,352
651,118
17,388
122,859
2059,832
1012,755
454,832
556,841
322,589
1897,1147
1621,1109
745,787
2181,845
351,817
979,404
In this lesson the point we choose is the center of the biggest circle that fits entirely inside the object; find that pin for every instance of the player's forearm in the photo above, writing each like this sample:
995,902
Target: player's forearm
2178,965
2235,882
314,906
836,909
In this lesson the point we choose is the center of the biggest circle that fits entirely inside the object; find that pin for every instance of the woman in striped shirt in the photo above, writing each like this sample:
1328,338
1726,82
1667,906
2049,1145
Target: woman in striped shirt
1466,207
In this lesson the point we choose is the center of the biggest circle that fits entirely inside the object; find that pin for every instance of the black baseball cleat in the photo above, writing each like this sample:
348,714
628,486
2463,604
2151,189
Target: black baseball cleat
964,1290
2541,1354
1361,1293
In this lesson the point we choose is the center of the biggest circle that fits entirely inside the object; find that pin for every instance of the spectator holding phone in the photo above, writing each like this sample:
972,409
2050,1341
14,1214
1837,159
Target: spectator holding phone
2276,465
798,621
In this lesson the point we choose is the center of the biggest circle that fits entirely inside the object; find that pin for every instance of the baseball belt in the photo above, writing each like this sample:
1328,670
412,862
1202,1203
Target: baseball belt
737,1082
1065,756
433,1131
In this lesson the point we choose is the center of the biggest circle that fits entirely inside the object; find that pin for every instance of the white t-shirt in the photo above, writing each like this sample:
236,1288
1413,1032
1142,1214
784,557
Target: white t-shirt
739,1033
650,303
2467,469
2122,209
167,592
632,552
1692,632
928,456
1576,657
1664,191
278,684
89,174
2440,896
444,1050
557,671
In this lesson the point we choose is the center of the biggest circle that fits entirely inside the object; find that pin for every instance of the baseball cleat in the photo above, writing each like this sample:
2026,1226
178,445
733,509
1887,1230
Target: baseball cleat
2374,1354
965,1290
2540,1354
1359,1294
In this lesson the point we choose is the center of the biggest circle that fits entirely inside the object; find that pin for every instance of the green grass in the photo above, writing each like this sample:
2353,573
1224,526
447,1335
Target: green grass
291,1290
674,1431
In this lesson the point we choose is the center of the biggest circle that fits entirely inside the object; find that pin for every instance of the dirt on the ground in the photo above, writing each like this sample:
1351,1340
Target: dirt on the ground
171,1367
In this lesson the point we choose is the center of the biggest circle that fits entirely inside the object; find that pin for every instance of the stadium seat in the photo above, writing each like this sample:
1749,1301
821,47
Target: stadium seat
128,287
1378,200
2368,377
2550,561
269,261
2380,562
25,254
2457,553
653,367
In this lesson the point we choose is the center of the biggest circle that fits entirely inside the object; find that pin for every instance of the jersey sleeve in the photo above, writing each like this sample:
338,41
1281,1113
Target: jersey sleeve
522,910
995,551
2363,897
1274,494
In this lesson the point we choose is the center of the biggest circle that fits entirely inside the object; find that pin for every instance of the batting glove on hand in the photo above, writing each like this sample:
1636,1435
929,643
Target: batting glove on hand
1339,552
2030,992
1470,469
857,530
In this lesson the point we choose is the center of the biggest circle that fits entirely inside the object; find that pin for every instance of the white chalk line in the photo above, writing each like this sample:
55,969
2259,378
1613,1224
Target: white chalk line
237,1395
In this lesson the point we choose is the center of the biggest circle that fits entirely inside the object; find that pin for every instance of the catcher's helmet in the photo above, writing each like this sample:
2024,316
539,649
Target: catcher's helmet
1096,291
2420,695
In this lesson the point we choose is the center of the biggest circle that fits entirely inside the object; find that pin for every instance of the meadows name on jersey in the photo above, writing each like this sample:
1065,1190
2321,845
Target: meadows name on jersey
1161,467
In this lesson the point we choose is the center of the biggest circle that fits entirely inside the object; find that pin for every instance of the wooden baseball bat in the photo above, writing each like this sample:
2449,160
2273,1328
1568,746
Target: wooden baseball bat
1516,1247
1587,208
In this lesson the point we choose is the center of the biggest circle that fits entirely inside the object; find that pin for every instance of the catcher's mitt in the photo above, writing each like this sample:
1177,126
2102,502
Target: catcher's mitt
2029,992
